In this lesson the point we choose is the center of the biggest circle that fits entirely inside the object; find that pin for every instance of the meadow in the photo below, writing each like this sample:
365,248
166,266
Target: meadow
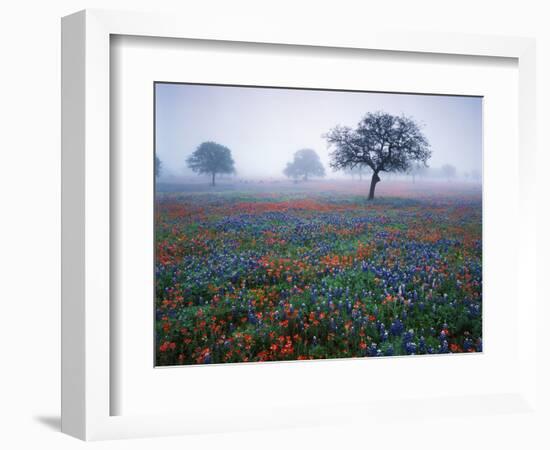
273,273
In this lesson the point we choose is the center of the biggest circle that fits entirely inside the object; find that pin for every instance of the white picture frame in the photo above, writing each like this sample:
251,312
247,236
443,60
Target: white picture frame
86,219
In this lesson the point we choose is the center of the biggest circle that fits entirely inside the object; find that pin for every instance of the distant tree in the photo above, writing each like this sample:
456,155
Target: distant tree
359,170
291,171
476,175
158,166
448,171
306,163
211,158
417,170
383,142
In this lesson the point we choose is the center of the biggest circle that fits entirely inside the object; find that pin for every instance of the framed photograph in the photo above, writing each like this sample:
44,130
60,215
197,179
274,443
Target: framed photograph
270,229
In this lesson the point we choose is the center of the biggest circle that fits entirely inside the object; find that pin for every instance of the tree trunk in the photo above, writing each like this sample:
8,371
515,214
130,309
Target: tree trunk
213,178
375,179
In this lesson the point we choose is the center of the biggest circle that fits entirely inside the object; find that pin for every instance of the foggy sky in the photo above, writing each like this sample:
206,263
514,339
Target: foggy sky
263,127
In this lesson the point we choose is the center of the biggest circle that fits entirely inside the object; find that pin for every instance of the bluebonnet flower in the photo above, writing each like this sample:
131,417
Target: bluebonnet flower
396,328
410,348
468,344
408,336
372,350
422,345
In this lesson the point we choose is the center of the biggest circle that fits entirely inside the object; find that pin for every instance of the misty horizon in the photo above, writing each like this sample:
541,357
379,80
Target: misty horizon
263,127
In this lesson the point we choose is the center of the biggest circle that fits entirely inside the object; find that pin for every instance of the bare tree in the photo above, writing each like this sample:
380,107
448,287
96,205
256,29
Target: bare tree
381,141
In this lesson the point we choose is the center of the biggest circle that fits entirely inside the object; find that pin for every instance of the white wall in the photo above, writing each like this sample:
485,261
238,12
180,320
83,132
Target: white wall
30,187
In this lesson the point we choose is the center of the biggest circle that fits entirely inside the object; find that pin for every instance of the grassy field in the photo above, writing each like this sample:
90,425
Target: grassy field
265,274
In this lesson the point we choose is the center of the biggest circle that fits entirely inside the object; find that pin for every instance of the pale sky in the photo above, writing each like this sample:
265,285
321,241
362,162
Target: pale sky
263,127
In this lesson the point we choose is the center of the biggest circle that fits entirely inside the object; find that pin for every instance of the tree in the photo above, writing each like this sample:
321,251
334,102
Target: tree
448,171
158,166
383,142
359,169
291,171
211,158
306,163
417,170
476,175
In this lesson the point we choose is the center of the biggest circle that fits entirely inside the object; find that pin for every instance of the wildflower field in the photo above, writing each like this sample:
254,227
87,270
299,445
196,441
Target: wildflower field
245,276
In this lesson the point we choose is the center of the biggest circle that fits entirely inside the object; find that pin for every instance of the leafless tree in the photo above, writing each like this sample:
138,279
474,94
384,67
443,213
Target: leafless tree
381,141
